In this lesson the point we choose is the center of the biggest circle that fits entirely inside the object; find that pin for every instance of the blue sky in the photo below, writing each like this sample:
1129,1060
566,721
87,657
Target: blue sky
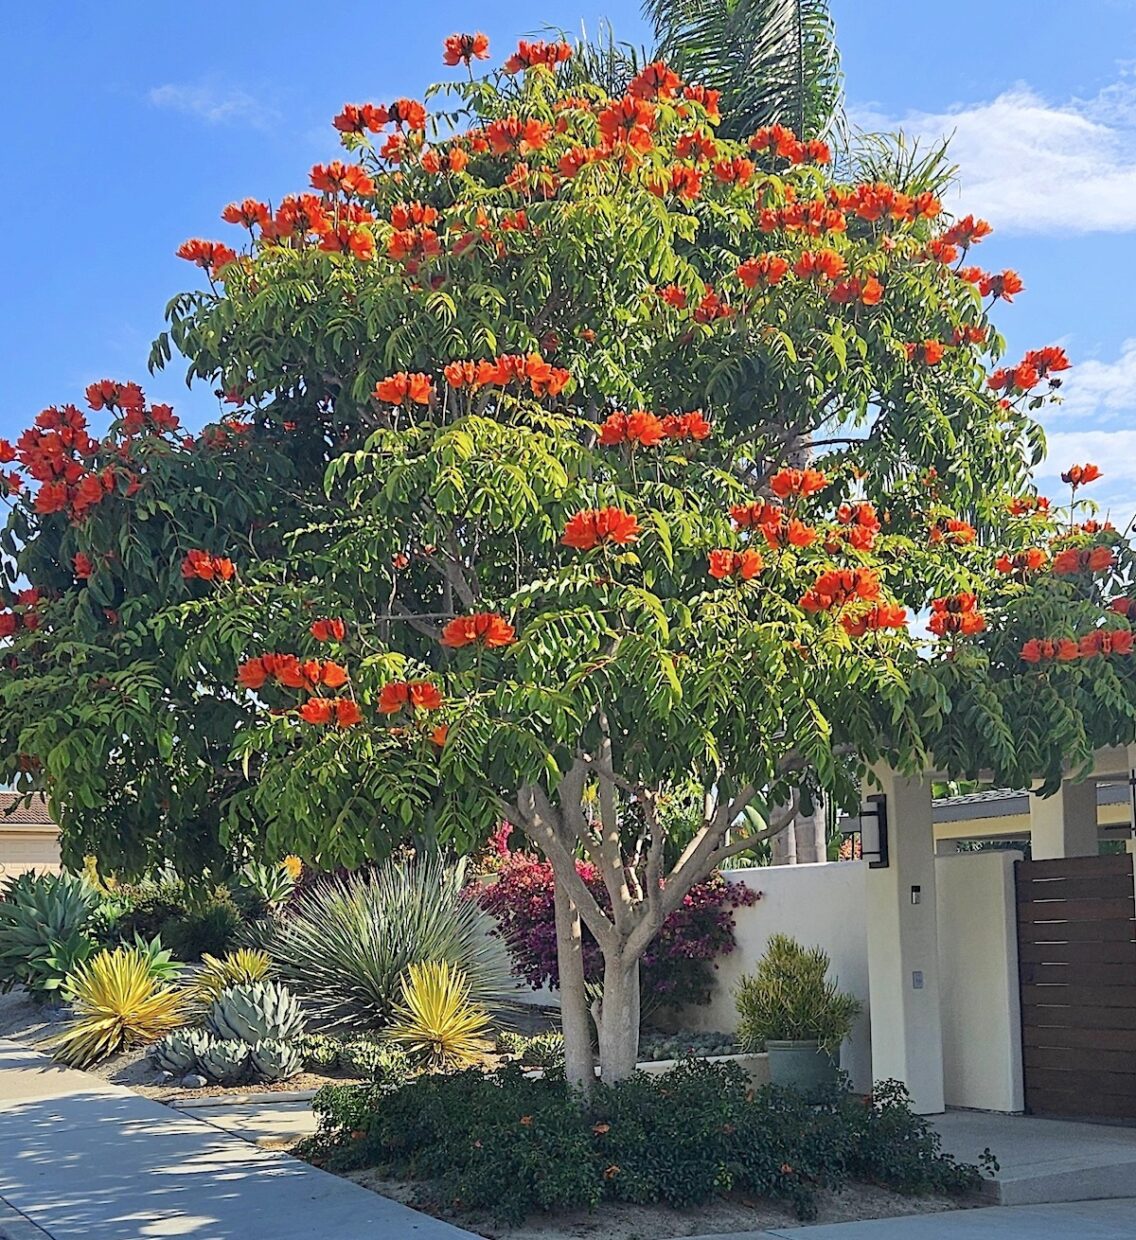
128,133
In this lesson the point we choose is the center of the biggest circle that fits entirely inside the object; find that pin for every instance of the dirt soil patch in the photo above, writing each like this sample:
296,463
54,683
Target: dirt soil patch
617,1221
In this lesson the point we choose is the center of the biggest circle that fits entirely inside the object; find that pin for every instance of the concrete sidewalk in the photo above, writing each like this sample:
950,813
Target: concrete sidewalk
79,1158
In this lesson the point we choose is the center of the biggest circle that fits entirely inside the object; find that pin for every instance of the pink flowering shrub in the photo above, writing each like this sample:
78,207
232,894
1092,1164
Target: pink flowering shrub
678,967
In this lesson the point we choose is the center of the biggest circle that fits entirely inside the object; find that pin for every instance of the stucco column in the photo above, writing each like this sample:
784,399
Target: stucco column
810,833
783,846
1065,824
903,949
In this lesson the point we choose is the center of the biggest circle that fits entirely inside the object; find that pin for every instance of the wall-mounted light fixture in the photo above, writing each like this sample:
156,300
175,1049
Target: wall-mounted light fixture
872,828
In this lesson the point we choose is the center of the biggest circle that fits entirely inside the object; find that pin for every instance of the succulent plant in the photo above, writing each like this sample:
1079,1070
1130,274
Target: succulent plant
217,975
319,1051
274,1060
224,1060
45,930
254,1012
536,1050
180,1050
348,942
374,1061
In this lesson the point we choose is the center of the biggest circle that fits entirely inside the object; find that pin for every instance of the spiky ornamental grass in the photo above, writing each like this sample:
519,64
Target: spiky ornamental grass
436,1022
217,974
118,1004
349,943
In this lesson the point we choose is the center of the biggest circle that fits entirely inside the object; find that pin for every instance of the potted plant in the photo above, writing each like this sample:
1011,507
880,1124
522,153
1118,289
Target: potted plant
791,1009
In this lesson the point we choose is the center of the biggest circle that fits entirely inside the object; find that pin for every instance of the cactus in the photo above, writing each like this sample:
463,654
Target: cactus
224,1060
254,1012
319,1051
273,1060
180,1050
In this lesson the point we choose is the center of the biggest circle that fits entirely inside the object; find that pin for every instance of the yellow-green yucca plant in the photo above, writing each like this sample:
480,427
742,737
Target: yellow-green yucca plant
118,1004
436,1021
216,975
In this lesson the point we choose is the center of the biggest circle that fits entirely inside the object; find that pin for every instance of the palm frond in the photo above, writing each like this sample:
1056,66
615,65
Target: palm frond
604,61
774,61
911,166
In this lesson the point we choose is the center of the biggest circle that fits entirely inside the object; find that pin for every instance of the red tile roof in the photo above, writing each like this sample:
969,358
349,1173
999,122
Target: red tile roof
17,810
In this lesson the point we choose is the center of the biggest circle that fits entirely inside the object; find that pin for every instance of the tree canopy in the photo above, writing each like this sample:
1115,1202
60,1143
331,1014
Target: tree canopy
575,452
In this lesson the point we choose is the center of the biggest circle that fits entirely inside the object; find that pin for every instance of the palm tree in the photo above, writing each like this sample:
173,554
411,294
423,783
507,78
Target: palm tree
775,61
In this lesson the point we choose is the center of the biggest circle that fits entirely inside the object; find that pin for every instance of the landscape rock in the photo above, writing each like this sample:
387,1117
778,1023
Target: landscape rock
193,1081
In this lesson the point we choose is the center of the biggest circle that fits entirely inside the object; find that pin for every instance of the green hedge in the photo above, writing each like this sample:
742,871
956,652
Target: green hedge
509,1145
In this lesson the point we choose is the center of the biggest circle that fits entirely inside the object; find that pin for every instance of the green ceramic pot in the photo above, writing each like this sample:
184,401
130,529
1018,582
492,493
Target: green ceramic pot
803,1066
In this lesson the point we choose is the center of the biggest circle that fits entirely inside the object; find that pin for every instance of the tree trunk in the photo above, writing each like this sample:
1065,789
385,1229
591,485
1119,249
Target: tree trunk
575,1020
619,1019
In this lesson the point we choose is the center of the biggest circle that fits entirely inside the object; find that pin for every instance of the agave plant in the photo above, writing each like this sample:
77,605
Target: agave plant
271,885
255,1011
160,963
180,1050
382,1063
319,1051
348,943
218,974
436,1022
224,1060
275,1060
118,1003
44,916
46,975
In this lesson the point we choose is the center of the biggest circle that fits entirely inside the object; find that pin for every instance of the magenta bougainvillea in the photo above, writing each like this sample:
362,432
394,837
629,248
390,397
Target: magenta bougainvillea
676,970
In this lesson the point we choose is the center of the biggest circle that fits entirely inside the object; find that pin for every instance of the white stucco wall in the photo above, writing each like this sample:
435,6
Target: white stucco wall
978,975
821,903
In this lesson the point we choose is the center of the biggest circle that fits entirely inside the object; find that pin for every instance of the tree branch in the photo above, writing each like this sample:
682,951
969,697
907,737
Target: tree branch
535,816
417,623
777,823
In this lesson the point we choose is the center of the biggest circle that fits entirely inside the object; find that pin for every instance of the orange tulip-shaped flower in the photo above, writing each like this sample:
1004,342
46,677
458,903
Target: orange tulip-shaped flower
465,47
485,628
332,675
252,673
1081,475
422,694
593,526
317,710
332,630
803,482
745,565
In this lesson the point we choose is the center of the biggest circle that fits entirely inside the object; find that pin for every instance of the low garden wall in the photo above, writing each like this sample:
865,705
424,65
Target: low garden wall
825,904
816,904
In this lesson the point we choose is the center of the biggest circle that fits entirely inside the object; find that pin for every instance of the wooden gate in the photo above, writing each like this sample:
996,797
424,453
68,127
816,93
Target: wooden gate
1077,960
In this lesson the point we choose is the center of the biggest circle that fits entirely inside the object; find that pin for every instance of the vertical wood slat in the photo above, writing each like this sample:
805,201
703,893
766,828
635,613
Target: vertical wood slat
1076,923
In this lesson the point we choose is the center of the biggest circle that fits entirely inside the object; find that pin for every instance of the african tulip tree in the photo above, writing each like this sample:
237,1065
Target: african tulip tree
641,453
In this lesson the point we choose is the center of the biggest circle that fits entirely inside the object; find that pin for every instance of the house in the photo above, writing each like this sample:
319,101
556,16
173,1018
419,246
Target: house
29,839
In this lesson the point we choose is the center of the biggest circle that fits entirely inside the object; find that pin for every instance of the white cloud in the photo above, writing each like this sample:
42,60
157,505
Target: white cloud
1097,394
1031,165
1100,391
1113,451
212,103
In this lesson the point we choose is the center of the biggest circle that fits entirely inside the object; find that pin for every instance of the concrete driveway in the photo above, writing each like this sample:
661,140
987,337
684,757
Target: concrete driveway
1078,1220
